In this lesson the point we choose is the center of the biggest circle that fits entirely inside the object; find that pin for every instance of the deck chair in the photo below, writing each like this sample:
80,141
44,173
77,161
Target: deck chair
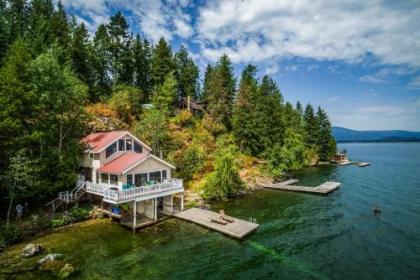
218,221
223,217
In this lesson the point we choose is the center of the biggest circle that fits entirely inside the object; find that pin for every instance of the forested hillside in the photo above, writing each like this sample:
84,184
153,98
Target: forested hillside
58,82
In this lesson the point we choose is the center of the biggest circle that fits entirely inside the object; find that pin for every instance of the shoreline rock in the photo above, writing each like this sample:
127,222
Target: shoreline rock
31,250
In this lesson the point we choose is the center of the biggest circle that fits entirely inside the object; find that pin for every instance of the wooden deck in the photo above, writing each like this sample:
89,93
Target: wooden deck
238,228
324,188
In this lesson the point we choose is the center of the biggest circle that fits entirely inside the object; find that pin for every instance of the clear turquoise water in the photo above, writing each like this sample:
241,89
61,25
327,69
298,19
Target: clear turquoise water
301,236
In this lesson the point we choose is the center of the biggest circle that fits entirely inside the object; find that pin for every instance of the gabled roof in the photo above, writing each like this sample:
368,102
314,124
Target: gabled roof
127,161
123,162
99,141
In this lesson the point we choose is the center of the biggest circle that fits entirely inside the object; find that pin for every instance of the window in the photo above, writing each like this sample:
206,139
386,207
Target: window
137,147
91,155
113,179
164,176
155,176
97,178
121,145
129,179
140,179
111,149
104,178
129,144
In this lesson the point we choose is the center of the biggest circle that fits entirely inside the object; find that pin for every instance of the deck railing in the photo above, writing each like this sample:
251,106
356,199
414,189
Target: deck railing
111,194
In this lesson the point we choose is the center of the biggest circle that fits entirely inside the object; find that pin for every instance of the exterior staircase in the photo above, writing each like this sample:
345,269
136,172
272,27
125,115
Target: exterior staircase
67,197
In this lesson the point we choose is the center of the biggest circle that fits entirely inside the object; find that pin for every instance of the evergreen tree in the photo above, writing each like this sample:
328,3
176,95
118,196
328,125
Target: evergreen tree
142,56
16,100
310,125
243,124
39,35
101,65
219,91
18,13
325,142
164,96
59,27
4,29
186,74
206,83
81,56
120,50
162,62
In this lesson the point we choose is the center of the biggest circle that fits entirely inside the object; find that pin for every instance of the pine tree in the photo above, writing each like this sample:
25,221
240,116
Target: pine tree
101,65
162,62
39,35
243,124
119,48
4,30
81,56
18,17
142,56
310,125
219,91
206,88
16,100
164,95
325,142
186,74
59,26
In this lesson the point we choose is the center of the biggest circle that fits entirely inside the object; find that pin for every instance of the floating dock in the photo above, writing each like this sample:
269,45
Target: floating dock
363,164
324,188
238,228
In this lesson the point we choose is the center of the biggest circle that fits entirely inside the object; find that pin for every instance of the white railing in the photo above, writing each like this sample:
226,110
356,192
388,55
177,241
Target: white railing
118,196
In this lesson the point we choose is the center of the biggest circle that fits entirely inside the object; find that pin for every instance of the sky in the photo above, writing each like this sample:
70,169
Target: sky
359,60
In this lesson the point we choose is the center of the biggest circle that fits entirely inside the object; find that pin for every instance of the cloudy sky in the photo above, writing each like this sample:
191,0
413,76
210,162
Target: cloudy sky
360,60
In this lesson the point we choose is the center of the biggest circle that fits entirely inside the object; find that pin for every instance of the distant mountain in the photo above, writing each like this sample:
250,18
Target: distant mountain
342,134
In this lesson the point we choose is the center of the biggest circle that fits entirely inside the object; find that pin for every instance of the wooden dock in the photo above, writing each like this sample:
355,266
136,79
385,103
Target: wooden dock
324,188
238,228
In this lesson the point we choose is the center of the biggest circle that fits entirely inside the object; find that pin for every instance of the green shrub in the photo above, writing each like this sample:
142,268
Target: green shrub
80,213
61,220
10,235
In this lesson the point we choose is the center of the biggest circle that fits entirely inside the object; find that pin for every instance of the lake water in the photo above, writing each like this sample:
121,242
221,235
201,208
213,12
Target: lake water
301,236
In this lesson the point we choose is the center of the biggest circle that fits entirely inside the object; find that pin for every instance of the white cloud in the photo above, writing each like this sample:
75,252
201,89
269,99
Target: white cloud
324,30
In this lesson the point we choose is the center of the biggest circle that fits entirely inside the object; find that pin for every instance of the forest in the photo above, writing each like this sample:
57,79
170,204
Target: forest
59,82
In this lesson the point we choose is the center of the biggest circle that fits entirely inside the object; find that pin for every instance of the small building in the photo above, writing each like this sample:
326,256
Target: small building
339,157
121,169
195,106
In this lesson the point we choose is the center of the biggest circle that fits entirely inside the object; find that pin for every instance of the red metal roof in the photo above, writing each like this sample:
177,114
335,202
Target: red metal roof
98,141
122,163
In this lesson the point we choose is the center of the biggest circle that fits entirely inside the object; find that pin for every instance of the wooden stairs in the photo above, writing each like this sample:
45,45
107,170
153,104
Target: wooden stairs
68,197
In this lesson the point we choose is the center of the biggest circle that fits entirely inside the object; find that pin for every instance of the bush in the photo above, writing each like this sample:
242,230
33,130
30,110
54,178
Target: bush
61,220
80,213
224,181
10,235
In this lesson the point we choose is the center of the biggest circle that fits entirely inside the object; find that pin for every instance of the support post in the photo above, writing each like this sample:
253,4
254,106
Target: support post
182,202
134,216
155,206
172,203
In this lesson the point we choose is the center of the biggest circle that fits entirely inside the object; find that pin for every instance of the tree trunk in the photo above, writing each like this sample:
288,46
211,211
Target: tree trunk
12,194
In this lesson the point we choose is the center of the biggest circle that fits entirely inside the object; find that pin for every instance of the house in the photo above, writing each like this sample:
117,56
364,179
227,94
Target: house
121,169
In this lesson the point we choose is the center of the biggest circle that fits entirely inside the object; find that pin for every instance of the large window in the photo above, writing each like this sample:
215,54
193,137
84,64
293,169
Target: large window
140,179
111,149
104,178
155,176
164,176
113,179
137,147
129,179
121,145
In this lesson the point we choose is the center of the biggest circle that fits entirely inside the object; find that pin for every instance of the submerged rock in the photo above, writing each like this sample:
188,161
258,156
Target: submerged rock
49,257
66,271
31,250
51,265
